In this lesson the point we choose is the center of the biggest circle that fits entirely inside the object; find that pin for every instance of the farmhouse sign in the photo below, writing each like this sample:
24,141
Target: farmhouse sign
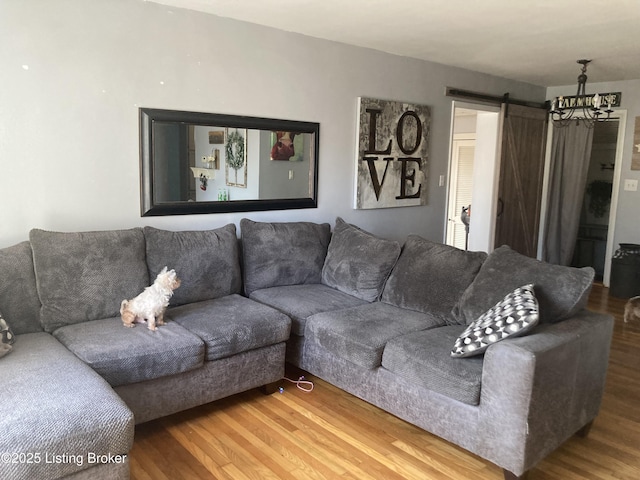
606,100
392,156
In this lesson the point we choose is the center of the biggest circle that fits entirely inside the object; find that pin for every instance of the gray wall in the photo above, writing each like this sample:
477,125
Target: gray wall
69,122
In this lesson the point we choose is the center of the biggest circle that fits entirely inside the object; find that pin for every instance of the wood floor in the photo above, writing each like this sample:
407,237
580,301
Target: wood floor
329,434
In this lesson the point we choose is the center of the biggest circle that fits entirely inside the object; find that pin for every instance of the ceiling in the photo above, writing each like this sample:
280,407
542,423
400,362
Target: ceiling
532,41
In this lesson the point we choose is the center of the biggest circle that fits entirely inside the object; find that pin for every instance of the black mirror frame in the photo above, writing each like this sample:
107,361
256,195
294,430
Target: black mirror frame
148,207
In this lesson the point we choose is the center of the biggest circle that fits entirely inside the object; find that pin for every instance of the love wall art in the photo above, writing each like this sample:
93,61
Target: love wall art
393,154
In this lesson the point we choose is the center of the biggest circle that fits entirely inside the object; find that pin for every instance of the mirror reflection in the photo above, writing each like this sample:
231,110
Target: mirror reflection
208,163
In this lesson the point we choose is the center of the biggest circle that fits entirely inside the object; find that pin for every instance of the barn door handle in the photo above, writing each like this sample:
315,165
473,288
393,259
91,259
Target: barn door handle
500,207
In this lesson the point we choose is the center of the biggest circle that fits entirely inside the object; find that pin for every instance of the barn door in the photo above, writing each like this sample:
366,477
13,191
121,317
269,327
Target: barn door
521,175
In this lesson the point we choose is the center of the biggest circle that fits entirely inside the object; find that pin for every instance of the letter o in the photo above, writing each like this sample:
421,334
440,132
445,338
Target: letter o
400,129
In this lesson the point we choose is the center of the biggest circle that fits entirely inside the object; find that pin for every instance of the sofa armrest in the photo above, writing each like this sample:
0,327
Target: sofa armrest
538,390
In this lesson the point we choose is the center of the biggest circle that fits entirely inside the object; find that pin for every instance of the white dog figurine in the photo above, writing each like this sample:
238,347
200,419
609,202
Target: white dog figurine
151,304
632,309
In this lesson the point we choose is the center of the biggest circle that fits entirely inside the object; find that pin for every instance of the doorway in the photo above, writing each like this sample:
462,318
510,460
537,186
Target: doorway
460,189
473,175
591,243
596,233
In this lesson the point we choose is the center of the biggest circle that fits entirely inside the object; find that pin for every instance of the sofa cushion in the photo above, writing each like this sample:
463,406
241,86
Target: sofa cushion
301,301
358,263
282,253
515,315
55,405
128,355
561,291
359,334
430,277
232,324
18,294
207,262
86,275
424,358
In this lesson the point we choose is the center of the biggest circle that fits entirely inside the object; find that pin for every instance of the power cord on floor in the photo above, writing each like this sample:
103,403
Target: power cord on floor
302,384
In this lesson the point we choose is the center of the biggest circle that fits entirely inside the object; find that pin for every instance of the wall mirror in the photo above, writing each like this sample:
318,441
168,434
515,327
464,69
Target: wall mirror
194,163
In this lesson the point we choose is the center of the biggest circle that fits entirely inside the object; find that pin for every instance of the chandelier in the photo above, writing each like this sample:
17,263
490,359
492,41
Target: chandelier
591,108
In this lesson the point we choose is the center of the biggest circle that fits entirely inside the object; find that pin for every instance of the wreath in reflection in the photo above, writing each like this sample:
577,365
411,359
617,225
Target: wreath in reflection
235,150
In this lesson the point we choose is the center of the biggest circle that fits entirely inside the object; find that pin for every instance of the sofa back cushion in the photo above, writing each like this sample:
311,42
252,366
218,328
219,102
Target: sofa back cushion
287,253
358,263
207,262
19,300
561,291
85,275
431,277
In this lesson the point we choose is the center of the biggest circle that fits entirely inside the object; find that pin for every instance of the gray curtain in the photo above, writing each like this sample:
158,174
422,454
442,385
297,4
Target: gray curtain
569,165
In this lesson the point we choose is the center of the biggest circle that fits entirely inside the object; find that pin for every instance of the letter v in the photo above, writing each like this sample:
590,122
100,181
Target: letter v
377,185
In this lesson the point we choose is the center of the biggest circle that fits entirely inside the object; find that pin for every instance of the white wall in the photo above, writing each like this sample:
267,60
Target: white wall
627,224
69,123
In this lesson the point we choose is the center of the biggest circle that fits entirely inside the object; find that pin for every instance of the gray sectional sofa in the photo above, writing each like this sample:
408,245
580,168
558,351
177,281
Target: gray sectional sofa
367,315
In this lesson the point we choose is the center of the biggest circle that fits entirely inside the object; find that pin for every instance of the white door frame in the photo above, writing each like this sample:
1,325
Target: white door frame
615,191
